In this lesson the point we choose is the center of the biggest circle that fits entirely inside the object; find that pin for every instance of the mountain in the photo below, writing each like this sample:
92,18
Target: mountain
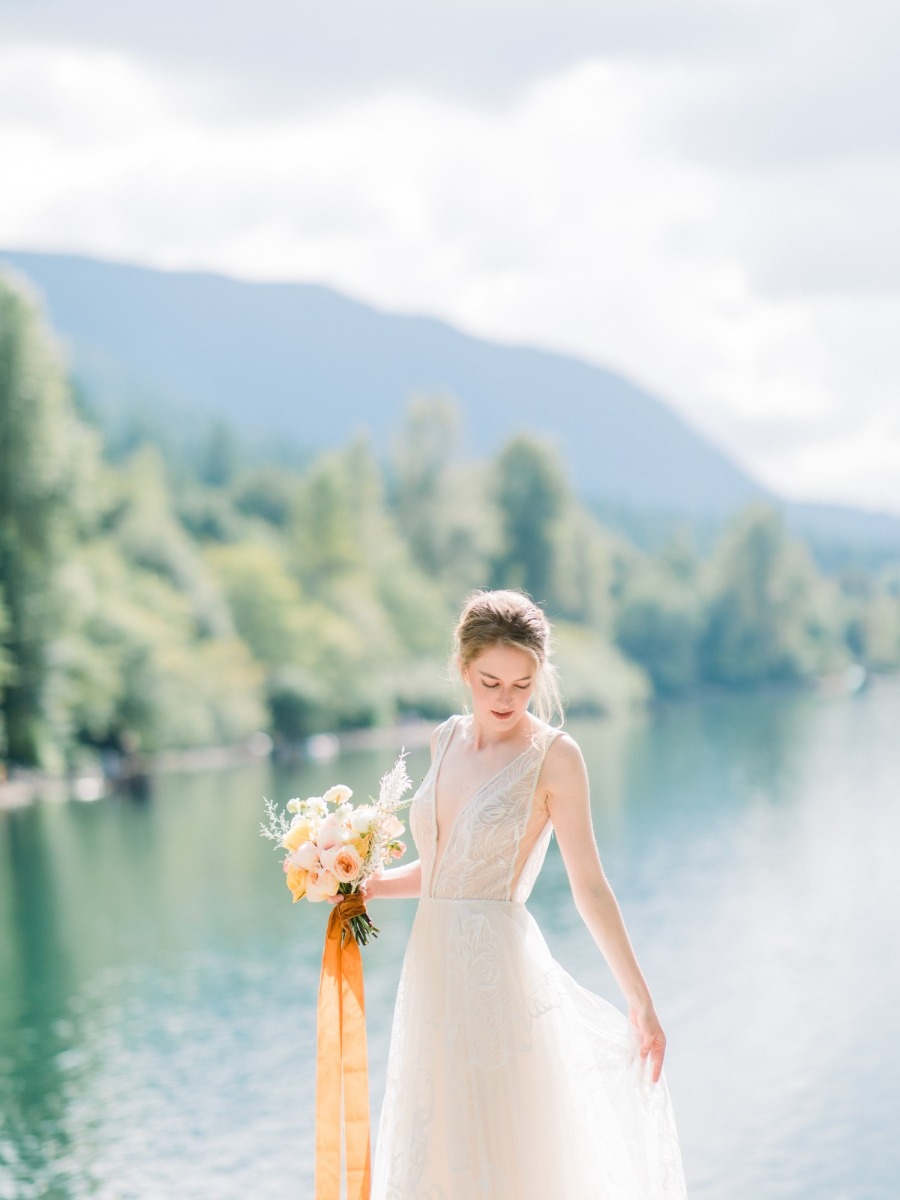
302,360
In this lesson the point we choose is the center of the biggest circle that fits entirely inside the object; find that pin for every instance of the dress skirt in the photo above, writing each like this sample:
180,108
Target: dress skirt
507,1080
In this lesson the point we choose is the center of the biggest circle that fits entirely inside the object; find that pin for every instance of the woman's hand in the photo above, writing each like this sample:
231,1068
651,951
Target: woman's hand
653,1040
367,889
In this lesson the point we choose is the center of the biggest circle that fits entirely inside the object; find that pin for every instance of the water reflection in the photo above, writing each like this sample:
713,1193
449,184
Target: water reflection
157,1007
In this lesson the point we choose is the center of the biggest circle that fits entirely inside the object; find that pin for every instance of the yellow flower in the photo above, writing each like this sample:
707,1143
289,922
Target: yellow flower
296,881
362,844
301,831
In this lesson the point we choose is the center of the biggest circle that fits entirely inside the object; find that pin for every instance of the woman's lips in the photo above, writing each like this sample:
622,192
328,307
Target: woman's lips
501,716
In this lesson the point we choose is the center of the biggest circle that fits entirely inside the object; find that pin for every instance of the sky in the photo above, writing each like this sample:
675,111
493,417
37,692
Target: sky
701,194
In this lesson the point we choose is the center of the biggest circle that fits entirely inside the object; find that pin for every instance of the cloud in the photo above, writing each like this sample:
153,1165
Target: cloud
596,207
819,85
288,53
861,464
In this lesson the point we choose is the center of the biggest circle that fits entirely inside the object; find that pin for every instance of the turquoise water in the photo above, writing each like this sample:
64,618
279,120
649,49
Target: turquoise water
157,987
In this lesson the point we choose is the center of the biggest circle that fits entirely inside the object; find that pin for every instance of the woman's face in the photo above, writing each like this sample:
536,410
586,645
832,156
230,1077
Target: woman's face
501,680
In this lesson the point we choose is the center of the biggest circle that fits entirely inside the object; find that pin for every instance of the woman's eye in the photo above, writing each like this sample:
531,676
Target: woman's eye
491,686
523,687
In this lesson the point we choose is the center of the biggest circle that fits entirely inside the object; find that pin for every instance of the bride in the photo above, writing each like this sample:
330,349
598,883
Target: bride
506,1079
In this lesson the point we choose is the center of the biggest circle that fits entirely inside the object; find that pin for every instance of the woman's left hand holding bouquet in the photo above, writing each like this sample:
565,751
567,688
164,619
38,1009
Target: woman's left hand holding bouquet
335,849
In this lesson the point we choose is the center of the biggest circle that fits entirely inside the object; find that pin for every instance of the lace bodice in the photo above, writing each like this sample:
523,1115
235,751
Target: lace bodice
492,851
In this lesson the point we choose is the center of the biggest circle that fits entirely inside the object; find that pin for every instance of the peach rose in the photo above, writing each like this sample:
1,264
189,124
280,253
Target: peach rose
346,864
392,827
321,884
305,857
331,833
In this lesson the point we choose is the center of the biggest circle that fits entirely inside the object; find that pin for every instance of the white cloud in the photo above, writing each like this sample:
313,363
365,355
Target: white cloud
567,217
862,465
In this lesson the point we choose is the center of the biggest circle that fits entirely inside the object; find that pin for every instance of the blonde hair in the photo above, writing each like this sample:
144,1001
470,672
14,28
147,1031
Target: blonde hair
509,618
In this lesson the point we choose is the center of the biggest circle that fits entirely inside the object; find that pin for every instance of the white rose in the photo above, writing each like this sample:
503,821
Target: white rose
361,820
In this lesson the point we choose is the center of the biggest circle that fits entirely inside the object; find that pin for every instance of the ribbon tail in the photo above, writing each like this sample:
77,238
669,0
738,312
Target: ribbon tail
356,1075
342,1068
328,1067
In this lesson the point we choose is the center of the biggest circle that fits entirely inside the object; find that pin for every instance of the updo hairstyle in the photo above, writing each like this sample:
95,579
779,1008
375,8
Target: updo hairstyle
509,618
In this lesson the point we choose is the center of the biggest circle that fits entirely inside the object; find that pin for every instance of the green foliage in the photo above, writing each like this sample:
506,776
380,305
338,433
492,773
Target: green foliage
443,508
154,601
7,669
46,457
660,626
531,497
220,456
597,678
770,615
266,493
872,619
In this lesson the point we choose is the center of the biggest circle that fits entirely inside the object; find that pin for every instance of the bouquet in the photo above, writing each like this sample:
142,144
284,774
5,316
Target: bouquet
333,846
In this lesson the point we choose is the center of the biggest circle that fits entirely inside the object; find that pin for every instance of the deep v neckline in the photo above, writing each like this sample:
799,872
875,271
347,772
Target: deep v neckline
439,862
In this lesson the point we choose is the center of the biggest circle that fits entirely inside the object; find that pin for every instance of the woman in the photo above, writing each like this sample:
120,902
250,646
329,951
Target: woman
506,1079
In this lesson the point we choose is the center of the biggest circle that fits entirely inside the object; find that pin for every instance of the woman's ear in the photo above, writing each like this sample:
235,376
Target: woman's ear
462,671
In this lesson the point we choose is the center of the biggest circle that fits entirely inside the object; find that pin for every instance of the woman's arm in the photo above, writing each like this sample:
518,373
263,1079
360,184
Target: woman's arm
565,781
398,883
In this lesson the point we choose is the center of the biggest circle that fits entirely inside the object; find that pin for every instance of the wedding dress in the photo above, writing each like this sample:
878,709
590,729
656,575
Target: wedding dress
506,1079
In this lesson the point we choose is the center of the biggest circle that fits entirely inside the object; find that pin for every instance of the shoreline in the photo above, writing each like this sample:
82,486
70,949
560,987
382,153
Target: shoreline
26,786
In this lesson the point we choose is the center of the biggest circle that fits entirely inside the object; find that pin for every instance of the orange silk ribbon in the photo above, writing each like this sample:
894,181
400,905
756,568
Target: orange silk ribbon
342,1061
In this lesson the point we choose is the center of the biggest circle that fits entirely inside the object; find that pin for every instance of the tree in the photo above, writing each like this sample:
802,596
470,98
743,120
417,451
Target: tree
423,451
659,625
6,669
46,456
531,496
770,615
442,507
219,462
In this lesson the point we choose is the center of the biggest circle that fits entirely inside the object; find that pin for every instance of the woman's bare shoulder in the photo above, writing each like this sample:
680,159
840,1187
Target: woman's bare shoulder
564,762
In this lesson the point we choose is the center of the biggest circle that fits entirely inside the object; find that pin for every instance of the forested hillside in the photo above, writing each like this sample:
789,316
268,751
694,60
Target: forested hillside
156,596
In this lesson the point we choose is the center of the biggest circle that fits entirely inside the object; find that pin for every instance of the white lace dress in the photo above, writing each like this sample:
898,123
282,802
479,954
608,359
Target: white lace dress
506,1079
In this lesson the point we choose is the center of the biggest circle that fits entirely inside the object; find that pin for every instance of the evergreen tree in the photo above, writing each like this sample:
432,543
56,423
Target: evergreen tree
531,496
443,508
44,453
219,463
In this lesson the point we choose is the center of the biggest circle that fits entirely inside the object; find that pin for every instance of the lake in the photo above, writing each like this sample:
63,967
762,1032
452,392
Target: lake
157,987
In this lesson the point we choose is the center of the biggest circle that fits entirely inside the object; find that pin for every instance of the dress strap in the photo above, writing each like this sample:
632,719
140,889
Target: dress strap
445,733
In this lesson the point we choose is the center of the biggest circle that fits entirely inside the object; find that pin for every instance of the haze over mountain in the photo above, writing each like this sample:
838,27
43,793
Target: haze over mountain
303,360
